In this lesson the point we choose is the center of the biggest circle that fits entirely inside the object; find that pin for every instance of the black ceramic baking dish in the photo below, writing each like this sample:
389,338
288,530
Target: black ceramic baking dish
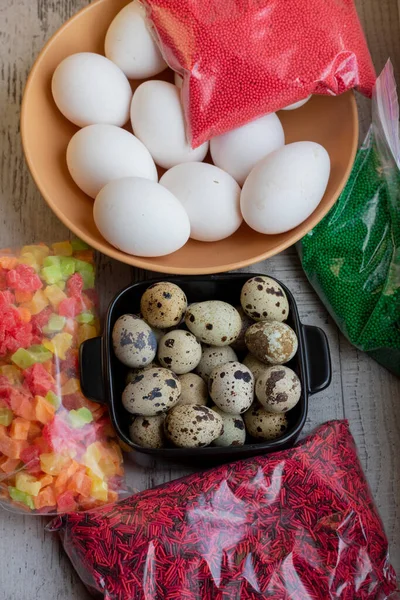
103,376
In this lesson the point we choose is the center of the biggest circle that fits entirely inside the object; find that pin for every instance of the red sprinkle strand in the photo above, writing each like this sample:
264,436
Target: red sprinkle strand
241,59
299,524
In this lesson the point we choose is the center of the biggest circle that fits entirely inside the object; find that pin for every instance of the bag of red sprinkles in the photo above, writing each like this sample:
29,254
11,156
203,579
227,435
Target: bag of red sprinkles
299,524
241,59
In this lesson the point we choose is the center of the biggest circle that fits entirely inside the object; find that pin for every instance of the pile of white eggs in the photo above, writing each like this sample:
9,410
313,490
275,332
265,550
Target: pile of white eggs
255,177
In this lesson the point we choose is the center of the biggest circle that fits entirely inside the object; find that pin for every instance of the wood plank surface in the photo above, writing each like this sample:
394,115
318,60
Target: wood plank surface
32,563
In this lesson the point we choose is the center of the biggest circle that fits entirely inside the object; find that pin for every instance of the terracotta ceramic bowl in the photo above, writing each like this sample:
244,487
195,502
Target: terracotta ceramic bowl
332,122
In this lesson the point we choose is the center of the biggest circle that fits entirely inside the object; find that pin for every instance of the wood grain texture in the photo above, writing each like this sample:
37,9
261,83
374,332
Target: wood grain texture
32,563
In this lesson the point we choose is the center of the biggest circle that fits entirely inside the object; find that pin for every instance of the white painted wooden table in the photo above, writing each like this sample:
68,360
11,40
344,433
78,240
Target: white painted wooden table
32,563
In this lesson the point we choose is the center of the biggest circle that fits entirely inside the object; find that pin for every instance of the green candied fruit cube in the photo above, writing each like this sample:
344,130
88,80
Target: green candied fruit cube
50,261
61,284
26,358
78,245
81,417
51,274
85,318
67,266
87,272
6,416
21,497
56,323
53,399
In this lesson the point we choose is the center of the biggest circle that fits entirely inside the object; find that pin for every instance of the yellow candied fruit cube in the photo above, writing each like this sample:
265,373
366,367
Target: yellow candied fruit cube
39,251
71,387
49,346
61,343
91,459
62,249
86,332
29,259
54,294
38,302
27,483
53,464
99,490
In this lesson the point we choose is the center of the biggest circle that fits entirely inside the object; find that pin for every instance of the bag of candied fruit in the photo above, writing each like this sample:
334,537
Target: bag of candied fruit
58,451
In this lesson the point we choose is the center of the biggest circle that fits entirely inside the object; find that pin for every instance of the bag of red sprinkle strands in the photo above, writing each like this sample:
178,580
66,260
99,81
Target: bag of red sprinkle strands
299,524
242,59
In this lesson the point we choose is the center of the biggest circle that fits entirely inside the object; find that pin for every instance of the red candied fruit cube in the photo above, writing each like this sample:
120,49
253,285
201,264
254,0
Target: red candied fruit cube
23,278
31,457
38,380
6,298
40,320
66,502
75,285
14,333
69,307
71,364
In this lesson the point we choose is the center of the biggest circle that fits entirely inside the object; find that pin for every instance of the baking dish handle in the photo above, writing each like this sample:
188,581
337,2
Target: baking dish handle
92,383
317,358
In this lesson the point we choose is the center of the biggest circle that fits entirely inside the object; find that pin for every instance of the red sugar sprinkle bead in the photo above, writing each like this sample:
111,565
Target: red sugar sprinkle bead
298,524
241,59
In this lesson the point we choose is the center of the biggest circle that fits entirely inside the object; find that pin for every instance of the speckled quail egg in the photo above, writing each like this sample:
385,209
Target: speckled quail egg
134,342
231,386
263,425
133,372
152,392
179,351
256,366
214,322
212,357
193,426
234,430
239,344
272,342
163,305
278,389
148,432
193,390
262,298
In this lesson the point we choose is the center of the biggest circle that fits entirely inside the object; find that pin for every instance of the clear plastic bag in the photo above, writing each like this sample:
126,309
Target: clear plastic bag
241,60
352,257
58,451
299,524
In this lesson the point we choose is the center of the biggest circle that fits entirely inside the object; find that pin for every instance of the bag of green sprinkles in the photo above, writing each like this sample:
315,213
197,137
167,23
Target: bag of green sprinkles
352,257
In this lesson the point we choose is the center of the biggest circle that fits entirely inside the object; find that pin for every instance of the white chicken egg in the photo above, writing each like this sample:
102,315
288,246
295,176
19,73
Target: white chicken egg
297,104
210,197
141,217
98,154
89,89
157,119
130,45
285,187
239,150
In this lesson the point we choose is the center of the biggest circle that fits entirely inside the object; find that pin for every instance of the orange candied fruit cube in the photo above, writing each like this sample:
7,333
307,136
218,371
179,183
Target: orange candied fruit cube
19,429
44,411
45,498
8,262
9,464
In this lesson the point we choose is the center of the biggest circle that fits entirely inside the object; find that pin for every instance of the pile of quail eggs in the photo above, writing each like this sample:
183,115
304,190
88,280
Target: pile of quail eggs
186,386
